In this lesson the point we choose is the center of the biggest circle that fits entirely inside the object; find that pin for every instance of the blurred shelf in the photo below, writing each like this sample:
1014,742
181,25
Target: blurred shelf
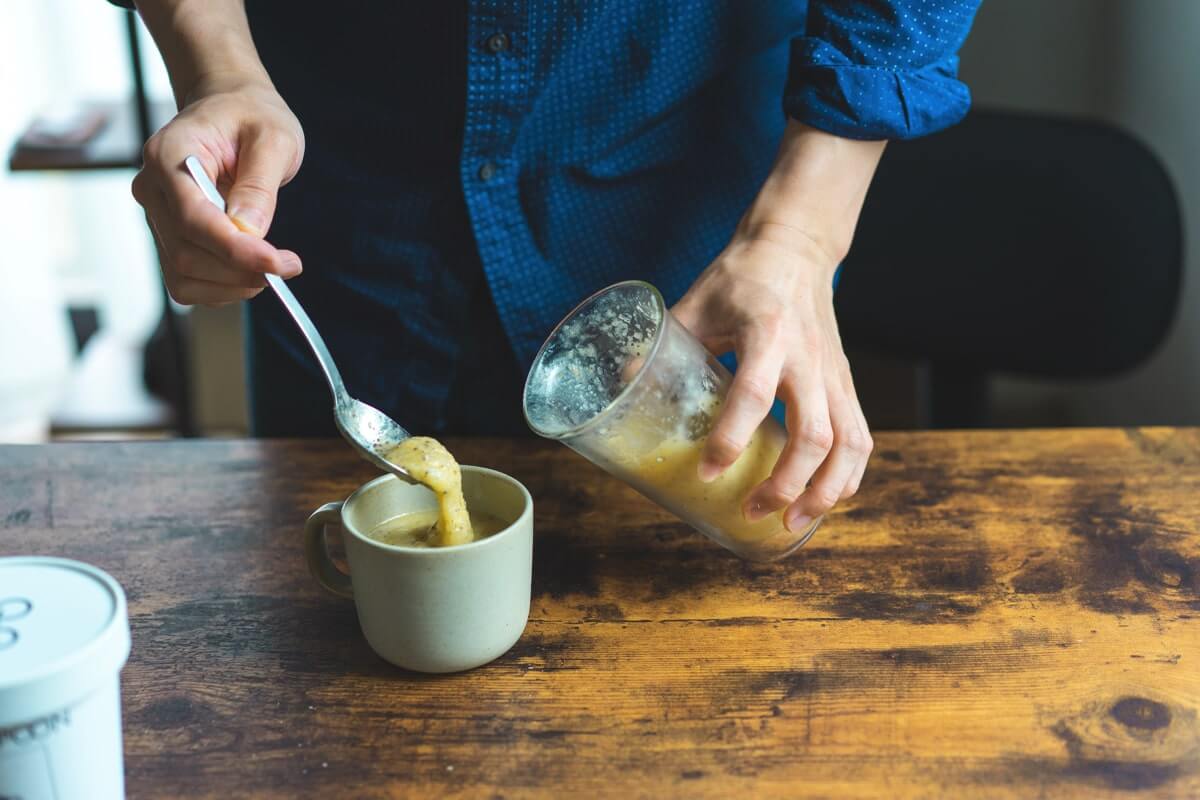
117,146
115,435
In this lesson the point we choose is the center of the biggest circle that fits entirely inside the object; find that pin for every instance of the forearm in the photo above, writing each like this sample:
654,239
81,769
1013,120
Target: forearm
815,192
206,45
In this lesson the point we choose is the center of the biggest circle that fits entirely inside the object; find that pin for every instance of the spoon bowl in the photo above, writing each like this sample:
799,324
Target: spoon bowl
374,433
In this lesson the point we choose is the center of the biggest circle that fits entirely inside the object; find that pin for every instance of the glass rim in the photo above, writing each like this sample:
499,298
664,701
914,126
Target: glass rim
660,306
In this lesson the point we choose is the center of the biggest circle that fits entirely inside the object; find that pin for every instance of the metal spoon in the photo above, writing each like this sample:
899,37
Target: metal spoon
368,429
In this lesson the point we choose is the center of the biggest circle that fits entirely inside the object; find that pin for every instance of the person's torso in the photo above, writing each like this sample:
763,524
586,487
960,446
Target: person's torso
553,147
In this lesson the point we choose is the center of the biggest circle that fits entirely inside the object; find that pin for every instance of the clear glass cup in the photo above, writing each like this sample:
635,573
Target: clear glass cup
624,384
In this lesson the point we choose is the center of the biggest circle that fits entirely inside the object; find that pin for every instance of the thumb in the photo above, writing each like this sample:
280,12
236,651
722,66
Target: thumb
264,164
691,313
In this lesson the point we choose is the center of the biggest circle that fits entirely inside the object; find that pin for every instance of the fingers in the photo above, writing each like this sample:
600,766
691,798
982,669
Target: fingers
840,473
264,164
690,313
174,202
751,395
194,275
632,367
200,222
184,267
810,437
192,292
189,261
868,444
205,258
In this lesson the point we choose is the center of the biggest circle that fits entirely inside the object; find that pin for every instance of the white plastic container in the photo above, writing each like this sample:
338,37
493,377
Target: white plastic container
64,637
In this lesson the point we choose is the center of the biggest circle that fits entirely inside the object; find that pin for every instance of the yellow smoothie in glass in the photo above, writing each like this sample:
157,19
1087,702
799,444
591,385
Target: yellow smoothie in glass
672,467
669,463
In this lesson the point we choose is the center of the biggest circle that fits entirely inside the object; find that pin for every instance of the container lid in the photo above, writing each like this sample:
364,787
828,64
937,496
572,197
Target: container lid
64,632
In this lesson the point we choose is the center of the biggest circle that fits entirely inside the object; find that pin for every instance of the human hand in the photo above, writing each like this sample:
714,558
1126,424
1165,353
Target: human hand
250,143
769,298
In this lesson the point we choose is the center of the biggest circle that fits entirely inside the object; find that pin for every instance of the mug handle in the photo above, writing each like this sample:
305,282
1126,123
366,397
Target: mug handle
317,555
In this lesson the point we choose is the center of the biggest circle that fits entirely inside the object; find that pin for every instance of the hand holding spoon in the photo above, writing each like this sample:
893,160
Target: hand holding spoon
370,431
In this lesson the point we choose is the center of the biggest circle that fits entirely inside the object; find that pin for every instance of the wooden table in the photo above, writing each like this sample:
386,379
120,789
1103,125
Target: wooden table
1002,614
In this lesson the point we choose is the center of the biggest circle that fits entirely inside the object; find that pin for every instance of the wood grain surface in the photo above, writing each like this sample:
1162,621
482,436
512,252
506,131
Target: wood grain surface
996,614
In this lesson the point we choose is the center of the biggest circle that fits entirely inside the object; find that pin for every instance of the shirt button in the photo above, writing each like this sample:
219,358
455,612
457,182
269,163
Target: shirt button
497,42
487,171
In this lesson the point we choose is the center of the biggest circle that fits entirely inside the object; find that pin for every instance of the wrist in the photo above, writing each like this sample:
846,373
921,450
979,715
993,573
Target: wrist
225,82
800,245
206,45
814,193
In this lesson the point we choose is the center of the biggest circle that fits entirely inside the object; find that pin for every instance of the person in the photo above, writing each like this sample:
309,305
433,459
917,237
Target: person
442,182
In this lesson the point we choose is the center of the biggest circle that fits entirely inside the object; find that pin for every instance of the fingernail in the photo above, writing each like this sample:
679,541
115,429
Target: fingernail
291,268
754,511
797,522
708,472
250,220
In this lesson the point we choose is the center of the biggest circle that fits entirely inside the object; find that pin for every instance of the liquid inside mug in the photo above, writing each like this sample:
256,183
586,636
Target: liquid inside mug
623,383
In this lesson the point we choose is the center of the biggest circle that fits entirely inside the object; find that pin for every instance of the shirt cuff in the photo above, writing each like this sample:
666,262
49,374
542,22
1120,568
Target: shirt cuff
829,92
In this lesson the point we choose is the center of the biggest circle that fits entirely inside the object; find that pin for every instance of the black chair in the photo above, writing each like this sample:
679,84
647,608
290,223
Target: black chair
1018,244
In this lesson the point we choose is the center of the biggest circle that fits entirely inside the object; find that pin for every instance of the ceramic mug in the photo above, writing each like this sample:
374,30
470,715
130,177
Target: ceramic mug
431,609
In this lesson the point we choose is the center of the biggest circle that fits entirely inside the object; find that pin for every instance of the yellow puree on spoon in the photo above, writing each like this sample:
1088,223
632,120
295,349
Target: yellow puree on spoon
430,463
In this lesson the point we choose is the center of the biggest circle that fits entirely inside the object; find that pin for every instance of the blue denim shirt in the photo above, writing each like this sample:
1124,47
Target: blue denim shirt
533,151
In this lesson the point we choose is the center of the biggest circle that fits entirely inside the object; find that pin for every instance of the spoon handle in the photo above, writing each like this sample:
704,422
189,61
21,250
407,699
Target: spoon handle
332,376
297,312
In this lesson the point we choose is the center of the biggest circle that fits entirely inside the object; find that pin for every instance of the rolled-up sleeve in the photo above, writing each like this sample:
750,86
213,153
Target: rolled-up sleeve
880,69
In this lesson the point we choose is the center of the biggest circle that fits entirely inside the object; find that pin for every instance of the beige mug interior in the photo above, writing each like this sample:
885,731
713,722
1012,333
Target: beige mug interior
387,496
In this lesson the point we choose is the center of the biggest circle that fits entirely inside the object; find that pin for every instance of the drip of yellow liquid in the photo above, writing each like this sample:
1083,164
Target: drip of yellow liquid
430,463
